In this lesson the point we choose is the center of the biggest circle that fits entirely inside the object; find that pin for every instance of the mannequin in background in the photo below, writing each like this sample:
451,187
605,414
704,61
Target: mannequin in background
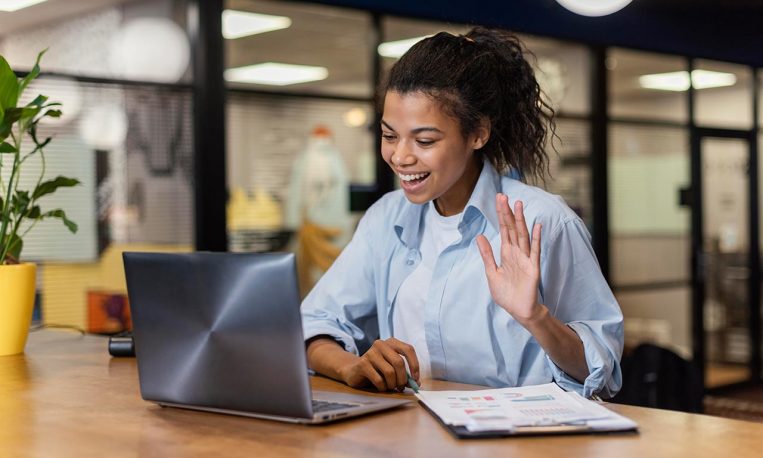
318,206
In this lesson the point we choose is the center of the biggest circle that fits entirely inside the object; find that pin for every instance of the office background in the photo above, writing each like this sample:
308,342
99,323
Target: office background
176,153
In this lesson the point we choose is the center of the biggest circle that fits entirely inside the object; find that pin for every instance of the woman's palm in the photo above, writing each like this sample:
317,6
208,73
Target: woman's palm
514,283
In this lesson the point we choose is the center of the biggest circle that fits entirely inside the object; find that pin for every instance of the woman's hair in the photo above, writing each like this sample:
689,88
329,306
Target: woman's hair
483,75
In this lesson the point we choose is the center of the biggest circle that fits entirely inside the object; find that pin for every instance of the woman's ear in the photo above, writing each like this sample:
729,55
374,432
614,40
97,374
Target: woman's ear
481,134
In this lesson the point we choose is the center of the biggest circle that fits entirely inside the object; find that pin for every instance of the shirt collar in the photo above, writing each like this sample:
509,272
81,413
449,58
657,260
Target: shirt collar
482,200
480,203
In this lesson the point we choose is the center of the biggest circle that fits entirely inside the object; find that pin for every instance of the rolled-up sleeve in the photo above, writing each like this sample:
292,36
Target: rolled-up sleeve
574,290
342,304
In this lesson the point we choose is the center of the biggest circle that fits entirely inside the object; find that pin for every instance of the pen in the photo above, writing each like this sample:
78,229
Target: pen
412,383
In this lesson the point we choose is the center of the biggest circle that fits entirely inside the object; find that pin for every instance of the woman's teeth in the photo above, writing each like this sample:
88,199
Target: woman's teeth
415,176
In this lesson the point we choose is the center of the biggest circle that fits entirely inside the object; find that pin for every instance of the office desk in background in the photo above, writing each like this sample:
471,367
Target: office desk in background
67,397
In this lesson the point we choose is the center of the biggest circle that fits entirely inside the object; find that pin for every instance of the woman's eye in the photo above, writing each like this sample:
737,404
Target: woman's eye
425,142
388,137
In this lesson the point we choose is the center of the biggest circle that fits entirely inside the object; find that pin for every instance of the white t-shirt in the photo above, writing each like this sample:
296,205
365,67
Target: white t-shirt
408,314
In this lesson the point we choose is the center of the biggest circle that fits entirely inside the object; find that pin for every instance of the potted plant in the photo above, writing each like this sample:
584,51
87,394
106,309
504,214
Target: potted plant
19,208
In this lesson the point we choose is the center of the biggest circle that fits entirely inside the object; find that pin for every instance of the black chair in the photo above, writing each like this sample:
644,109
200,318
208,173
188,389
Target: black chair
657,377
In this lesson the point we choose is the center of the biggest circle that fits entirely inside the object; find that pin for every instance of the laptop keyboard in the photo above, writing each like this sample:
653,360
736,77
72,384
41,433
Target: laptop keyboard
324,406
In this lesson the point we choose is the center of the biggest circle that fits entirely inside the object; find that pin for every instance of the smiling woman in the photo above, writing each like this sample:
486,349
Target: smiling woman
419,288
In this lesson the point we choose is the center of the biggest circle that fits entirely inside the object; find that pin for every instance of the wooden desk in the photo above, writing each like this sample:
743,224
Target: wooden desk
67,397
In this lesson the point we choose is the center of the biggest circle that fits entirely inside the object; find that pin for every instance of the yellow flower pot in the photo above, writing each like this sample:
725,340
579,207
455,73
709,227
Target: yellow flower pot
17,287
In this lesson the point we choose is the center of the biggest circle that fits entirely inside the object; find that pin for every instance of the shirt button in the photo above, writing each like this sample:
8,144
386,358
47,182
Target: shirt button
413,255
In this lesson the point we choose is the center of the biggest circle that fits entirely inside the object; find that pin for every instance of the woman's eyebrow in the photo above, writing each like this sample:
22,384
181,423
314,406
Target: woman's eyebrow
415,131
419,130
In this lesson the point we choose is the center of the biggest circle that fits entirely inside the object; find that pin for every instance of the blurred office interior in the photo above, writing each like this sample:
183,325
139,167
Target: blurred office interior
192,124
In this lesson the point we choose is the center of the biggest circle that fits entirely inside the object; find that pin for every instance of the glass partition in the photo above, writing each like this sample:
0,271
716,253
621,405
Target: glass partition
647,86
299,127
127,139
725,245
650,233
723,95
297,47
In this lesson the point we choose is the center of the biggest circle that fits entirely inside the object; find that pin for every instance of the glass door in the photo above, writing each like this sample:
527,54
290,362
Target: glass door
725,293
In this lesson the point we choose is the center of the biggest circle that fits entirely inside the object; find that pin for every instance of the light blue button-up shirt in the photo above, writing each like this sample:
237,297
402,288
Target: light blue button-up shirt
469,337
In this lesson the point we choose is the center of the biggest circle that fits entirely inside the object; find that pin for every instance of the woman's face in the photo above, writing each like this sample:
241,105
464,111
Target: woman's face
426,149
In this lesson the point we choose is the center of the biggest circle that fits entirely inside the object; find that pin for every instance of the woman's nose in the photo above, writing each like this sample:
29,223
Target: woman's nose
402,156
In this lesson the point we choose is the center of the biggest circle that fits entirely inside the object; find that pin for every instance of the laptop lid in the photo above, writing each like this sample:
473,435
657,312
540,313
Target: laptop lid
219,330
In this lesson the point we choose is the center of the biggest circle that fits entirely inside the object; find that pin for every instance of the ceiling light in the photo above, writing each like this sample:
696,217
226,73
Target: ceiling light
704,79
679,81
594,7
355,117
15,5
237,24
395,49
275,74
672,81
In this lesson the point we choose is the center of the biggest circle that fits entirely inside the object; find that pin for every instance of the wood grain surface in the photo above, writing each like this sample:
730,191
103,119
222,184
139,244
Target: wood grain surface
67,397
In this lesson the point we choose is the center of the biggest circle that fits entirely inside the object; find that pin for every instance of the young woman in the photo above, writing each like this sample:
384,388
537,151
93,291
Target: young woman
443,274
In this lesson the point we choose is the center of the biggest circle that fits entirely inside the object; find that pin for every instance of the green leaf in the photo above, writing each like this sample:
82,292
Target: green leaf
38,101
15,244
53,113
9,85
27,114
5,130
50,186
12,115
34,212
20,202
58,213
32,75
6,147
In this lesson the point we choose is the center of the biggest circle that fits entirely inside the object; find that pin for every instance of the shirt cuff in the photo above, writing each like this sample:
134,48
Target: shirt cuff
604,374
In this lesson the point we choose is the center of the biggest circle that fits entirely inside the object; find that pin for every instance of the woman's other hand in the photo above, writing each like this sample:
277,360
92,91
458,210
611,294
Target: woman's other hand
514,284
382,366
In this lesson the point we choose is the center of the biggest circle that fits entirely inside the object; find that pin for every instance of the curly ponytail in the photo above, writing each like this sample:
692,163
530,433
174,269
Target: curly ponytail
483,75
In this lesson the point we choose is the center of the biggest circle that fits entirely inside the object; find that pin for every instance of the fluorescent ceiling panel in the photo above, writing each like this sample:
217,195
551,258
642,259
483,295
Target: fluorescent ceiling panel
237,24
276,74
15,5
395,49
704,79
679,81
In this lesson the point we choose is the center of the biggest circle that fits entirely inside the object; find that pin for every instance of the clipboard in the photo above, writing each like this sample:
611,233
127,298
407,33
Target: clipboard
461,432
625,426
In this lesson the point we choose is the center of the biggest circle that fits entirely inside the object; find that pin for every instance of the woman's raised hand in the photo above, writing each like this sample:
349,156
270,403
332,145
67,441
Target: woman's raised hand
514,283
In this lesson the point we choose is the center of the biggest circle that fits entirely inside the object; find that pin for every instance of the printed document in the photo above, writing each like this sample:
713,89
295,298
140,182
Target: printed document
506,409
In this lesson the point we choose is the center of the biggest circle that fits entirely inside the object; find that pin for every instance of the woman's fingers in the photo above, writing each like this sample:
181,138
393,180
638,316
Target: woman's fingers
486,252
503,228
394,359
535,248
368,371
409,352
513,226
507,218
382,367
523,237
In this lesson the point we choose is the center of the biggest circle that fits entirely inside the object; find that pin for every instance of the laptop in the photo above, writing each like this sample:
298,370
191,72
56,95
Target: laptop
222,332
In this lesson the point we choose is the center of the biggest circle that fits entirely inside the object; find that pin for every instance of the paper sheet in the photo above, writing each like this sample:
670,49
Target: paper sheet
509,408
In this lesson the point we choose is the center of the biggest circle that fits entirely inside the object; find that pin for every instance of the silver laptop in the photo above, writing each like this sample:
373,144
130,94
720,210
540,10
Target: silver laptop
222,332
